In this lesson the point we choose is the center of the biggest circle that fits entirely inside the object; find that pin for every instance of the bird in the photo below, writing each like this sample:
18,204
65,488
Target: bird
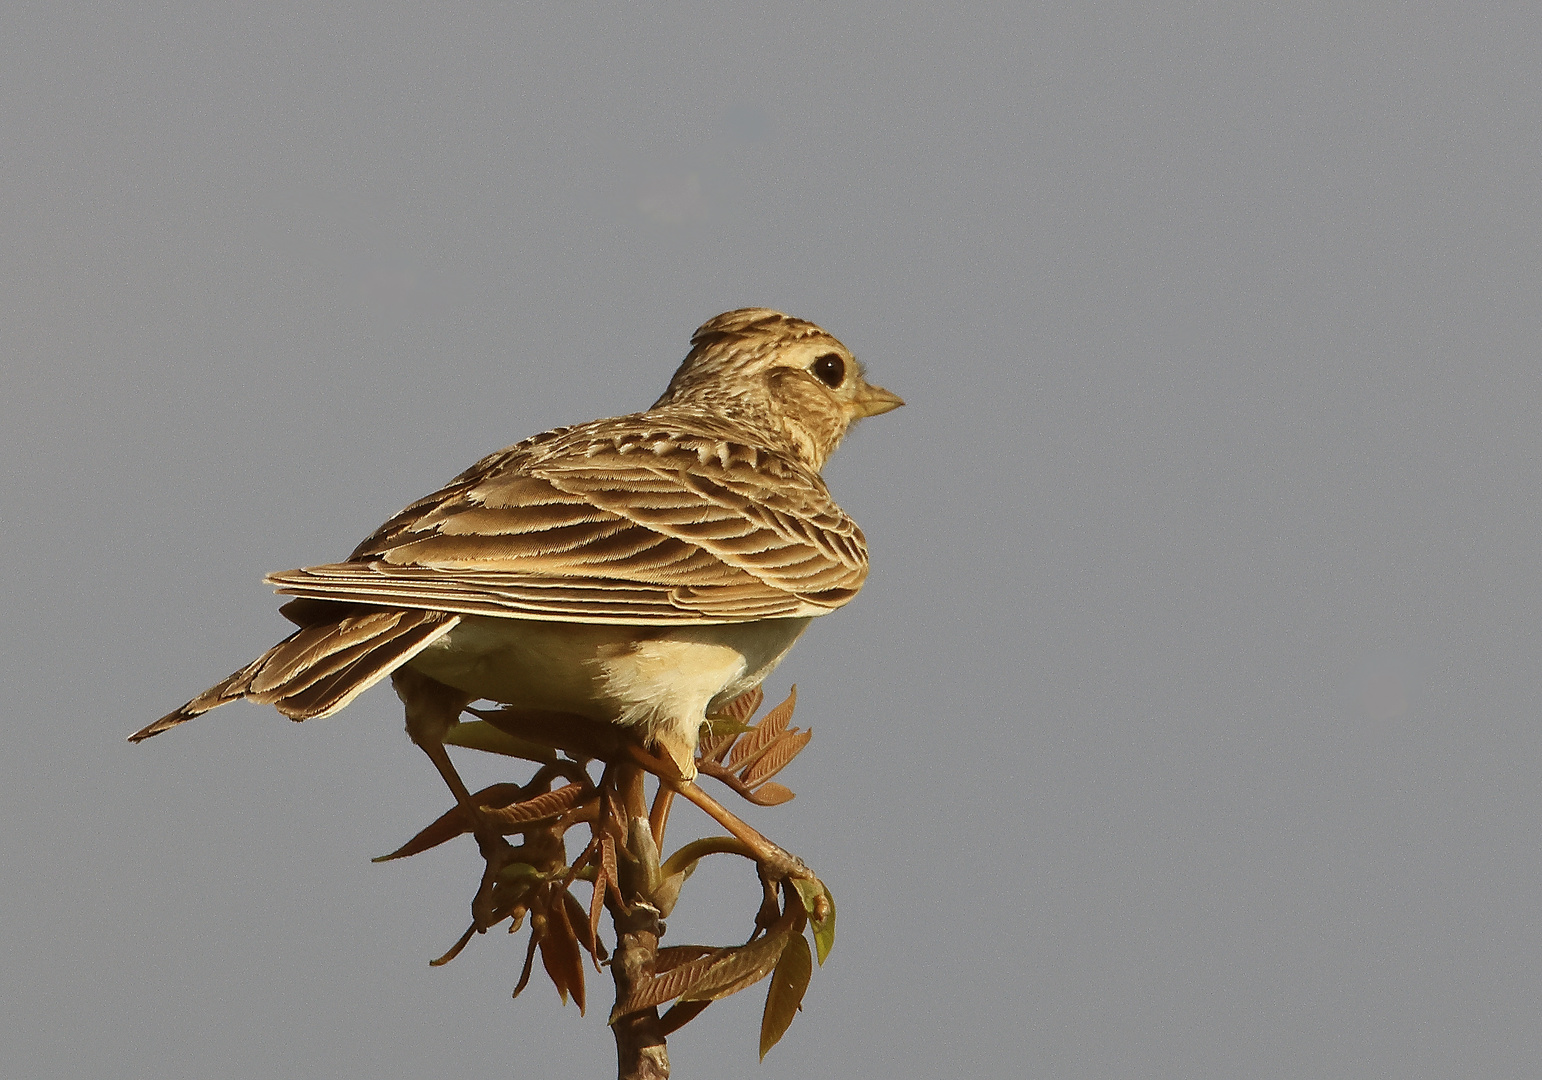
639,570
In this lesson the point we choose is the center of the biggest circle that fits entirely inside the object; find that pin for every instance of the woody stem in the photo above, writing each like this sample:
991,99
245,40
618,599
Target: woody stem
641,1050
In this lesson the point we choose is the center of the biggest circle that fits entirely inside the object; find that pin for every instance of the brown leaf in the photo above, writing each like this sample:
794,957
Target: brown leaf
608,866
742,967
537,924
597,898
743,707
779,717
712,747
788,983
452,822
455,949
770,794
612,815
667,986
548,805
560,955
783,749
444,828
579,921
680,1014
771,725
675,955
497,795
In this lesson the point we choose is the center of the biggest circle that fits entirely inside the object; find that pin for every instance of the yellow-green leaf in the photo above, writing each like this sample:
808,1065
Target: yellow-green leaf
788,983
811,892
518,871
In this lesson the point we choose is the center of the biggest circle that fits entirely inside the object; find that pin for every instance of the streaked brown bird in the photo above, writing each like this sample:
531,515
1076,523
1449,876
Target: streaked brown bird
639,570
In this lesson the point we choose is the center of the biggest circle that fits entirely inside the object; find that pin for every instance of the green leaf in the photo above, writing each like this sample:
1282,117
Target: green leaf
810,893
480,735
788,983
518,871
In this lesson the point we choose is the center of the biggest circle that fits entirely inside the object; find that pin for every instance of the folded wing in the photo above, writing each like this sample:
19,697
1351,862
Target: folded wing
636,520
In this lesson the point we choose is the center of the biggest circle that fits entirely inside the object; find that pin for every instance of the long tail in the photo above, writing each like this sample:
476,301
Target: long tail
339,652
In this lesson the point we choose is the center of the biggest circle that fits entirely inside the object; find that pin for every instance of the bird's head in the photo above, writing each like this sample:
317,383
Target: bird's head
782,374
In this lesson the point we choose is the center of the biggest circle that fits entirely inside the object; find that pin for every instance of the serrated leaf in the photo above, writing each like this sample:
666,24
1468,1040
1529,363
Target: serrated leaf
782,750
546,805
743,707
788,983
717,735
769,794
811,893
742,967
672,957
667,986
480,735
711,747
771,725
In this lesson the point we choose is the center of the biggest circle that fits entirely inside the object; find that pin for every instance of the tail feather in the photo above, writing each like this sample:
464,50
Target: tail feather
322,666
327,695
317,651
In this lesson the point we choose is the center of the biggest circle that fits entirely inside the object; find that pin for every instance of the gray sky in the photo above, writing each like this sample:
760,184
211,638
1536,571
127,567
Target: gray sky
1187,726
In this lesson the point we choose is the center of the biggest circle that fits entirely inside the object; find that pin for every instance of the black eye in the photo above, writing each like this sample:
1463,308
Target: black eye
829,369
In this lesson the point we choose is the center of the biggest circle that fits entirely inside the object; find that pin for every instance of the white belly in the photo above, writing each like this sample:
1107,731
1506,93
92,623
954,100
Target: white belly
662,679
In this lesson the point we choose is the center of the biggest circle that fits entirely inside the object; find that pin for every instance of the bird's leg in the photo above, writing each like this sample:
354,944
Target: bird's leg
432,709
778,862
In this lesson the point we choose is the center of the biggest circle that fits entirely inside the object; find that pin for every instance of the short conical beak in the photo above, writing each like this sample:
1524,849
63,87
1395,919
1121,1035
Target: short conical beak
873,400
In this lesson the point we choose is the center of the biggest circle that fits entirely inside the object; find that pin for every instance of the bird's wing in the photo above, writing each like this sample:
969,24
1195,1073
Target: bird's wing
621,521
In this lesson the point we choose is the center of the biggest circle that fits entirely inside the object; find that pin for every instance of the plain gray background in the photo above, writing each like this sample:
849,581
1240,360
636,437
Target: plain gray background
1187,726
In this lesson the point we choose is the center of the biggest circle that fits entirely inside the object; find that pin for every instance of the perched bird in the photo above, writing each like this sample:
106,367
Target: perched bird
638,570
